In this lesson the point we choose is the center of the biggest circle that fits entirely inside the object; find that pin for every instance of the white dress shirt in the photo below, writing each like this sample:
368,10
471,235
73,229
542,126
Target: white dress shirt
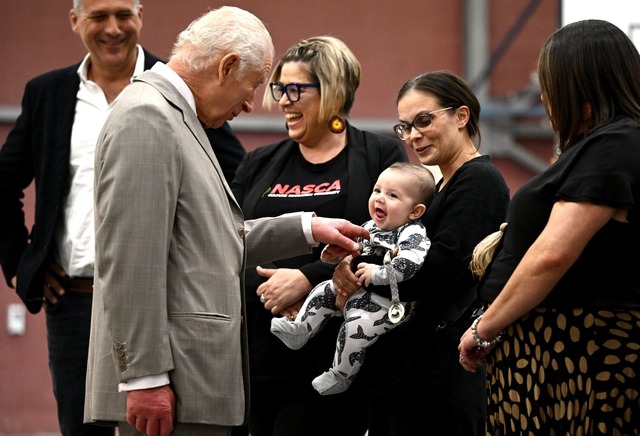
74,236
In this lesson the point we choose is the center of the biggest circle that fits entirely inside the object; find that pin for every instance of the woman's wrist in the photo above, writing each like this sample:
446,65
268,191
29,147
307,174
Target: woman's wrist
482,343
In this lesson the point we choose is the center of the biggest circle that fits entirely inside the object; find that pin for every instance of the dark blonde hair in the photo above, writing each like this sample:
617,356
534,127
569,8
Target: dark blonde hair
589,61
331,64
483,252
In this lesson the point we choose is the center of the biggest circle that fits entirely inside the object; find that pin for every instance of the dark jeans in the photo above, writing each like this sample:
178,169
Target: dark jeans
68,326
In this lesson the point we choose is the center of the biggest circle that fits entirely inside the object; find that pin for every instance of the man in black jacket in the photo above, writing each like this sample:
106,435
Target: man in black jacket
53,143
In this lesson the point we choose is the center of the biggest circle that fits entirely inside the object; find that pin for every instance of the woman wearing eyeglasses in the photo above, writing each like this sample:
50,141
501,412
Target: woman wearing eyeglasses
327,166
417,385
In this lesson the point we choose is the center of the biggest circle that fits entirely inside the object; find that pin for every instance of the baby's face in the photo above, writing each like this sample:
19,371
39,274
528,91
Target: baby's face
393,199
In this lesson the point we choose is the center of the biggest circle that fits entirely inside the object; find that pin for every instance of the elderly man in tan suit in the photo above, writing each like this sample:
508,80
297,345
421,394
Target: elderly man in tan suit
168,342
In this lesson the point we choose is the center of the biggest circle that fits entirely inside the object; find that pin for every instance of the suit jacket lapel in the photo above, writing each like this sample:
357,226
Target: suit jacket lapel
65,105
65,110
190,119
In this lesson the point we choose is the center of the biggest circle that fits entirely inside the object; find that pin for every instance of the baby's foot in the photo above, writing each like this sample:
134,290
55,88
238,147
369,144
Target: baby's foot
293,334
330,382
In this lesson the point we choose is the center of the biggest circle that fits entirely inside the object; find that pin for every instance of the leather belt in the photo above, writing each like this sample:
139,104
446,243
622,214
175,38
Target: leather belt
84,285
73,284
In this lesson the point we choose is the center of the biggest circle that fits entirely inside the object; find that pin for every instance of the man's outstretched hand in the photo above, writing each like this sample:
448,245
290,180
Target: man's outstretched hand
339,234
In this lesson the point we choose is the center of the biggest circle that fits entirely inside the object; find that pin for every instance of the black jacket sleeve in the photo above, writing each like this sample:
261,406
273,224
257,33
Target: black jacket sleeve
227,148
472,205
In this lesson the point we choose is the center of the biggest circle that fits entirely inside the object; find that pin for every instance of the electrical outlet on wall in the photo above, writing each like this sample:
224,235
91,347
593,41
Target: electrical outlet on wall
16,319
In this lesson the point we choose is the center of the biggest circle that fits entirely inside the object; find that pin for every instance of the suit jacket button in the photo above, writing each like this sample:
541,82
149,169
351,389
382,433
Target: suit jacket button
241,233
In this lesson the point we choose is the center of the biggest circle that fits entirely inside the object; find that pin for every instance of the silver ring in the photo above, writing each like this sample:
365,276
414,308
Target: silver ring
461,357
263,298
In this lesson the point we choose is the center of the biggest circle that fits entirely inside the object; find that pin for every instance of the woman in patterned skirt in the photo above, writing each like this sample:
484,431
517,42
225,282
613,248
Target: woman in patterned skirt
561,334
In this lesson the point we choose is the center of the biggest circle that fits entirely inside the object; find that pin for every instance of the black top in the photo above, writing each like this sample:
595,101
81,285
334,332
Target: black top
470,206
302,185
262,171
602,168
411,358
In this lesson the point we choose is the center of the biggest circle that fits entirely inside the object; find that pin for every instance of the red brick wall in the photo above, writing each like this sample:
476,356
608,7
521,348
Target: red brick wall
393,40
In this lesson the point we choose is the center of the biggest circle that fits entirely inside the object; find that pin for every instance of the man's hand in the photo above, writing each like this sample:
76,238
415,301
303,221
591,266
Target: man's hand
339,233
53,289
152,411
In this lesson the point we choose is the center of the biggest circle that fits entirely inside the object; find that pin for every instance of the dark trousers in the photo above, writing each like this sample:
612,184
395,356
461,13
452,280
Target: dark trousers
418,386
294,409
68,327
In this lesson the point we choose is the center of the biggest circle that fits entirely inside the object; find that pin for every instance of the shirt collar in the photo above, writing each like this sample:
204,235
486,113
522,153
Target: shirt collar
84,65
173,77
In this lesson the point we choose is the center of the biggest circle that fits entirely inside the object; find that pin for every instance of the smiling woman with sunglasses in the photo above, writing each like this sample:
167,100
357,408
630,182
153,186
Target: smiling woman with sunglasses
327,166
416,364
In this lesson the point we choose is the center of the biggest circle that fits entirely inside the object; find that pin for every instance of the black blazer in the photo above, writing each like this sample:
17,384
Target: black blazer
38,148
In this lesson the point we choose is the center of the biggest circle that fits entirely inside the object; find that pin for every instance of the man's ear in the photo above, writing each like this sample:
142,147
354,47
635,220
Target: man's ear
417,211
73,19
228,66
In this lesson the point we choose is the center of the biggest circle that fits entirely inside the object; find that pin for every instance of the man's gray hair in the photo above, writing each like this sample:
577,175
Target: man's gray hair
78,5
220,31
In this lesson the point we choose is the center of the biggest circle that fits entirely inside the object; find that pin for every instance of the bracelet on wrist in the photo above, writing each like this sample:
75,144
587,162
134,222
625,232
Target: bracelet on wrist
480,342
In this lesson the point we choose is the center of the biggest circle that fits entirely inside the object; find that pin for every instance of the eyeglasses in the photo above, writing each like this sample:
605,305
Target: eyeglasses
420,122
292,90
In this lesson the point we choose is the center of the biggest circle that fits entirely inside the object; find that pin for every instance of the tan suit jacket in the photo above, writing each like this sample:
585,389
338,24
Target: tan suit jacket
171,249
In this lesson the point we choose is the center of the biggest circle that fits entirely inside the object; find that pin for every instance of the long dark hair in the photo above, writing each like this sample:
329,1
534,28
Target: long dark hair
593,62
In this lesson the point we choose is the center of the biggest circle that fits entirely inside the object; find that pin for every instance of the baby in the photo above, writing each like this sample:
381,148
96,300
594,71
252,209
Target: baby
399,198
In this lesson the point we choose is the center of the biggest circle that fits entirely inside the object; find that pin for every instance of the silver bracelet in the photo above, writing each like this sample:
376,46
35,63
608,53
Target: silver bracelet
482,343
